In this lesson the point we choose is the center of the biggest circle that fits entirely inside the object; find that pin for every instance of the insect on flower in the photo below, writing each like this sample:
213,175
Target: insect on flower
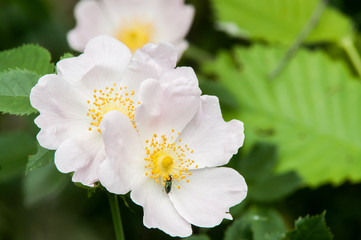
178,150
168,184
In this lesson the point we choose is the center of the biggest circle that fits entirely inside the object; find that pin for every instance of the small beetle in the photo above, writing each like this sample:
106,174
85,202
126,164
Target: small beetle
168,184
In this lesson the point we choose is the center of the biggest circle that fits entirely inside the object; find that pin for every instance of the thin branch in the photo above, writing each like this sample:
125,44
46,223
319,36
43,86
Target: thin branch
307,29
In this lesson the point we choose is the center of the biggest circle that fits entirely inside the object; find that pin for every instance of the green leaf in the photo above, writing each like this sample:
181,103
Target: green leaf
258,169
310,228
42,183
215,88
257,224
259,163
282,20
309,111
66,55
28,57
42,158
198,237
238,230
275,187
15,87
267,224
14,150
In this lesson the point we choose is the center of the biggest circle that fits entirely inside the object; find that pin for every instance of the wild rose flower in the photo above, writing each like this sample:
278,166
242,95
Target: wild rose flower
135,23
170,164
106,77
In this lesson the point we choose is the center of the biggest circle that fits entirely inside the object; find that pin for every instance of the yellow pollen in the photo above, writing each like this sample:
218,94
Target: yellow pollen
134,33
104,100
165,159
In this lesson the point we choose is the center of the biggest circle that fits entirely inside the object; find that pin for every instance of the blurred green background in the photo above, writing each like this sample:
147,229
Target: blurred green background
291,170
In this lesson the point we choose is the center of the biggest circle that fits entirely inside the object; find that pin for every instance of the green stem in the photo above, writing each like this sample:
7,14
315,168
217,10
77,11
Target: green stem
117,221
350,49
306,30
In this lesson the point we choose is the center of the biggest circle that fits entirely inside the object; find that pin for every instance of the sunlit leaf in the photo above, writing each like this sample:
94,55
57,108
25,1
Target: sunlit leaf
30,57
310,228
309,111
282,20
42,183
15,86
40,159
14,150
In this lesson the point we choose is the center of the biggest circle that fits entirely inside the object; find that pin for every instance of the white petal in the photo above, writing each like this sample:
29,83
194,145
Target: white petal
149,62
167,105
102,51
82,153
206,199
88,174
125,154
91,21
158,209
213,140
62,110
181,46
99,77
154,59
173,21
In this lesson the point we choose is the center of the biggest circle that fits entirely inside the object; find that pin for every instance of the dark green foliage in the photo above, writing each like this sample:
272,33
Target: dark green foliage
257,224
310,228
264,184
40,159
14,150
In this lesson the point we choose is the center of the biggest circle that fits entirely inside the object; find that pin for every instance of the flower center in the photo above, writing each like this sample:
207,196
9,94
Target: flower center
109,99
167,159
167,162
135,34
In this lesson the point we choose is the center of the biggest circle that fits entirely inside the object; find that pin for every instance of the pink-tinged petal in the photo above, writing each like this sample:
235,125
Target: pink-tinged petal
181,46
82,153
97,78
159,212
149,62
88,174
62,110
213,140
167,105
91,21
154,59
181,73
125,154
102,51
206,199
173,21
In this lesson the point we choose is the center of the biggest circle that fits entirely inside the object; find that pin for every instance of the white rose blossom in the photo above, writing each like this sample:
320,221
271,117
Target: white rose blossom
133,22
170,164
106,77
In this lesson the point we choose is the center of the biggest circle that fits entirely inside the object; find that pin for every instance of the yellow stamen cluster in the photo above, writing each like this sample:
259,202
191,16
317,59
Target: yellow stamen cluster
108,99
167,159
134,33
